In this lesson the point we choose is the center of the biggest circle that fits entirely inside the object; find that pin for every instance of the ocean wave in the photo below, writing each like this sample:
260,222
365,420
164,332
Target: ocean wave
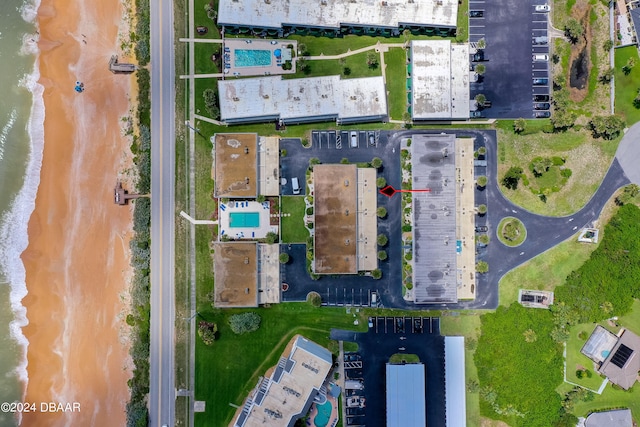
29,10
14,224
5,131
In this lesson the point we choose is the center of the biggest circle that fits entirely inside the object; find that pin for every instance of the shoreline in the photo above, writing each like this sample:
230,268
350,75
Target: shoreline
77,258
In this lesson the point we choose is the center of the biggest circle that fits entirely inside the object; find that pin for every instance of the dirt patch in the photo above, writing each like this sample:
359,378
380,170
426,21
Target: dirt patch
486,422
580,57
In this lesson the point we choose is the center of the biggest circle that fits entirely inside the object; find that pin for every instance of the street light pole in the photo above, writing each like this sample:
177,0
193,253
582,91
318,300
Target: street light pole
196,130
192,316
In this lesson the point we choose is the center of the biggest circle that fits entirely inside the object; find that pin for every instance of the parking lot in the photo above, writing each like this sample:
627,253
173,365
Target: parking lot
338,140
514,33
365,398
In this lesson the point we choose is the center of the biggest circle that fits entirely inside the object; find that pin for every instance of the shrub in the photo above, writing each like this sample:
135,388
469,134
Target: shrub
376,274
484,239
261,198
211,102
482,151
381,182
284,258
482,267
606,127
382,240
245,322
208,332
482,181
309,210
381,212
482,209
376,162
314,299
271,238
382,255
406,228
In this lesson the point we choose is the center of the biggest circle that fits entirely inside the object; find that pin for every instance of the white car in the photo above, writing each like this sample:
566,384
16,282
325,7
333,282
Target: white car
540,57
354,139
542,8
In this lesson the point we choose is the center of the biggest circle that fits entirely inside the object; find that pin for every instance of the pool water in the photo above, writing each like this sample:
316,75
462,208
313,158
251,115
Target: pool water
324,412
252,58
244,219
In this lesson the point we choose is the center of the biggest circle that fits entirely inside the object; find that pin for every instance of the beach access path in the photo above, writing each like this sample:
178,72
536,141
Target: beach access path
162,392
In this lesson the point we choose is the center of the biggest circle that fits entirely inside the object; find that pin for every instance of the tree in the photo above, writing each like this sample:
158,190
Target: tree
346,71
271,237
376,274
606,76
628,193
519,125
382,240
636,100
511,178
562,119
376,162
482,43
382,255
211,103
541,165
261,198
631,62
607,127
482,150
208,332
482,209
211,11
484,239
480,99
381,182
482,267
607,45
315,161
284,258
302,65
559,334
481,181
480,69
314,299
373,60
381,212
303,50
245,322
573,29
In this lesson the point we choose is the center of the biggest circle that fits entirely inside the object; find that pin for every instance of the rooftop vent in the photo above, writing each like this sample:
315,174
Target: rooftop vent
346,242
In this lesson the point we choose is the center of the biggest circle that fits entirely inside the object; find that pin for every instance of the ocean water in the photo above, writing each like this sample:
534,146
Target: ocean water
21,143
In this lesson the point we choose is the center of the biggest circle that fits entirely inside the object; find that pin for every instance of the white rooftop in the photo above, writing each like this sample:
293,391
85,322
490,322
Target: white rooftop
439,80
327,98
337,13
455,383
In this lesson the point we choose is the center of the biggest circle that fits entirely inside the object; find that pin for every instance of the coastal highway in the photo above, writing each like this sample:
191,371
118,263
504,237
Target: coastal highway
161,375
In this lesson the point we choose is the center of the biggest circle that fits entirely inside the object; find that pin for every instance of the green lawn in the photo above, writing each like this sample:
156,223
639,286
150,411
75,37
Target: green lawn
396,74
462,31
331,67
201,19
575,358
468,325
515,227
627,86
229,369
203,53
587,158
293,228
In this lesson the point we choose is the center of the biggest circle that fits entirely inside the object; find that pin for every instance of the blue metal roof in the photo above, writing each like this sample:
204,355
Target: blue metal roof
406,402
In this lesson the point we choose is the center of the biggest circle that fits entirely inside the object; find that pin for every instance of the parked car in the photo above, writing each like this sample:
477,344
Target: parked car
540,82
540,40
354,139
372,138
482,229
370,322
476,13
475,114
541,98
542,8
541,106
540,57
543,114
478,56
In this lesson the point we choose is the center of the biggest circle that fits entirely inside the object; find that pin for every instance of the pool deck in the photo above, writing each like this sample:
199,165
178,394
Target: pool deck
231,45
246,233
333,419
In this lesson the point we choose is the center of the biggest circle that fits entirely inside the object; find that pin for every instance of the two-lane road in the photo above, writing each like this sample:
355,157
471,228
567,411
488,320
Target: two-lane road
161,375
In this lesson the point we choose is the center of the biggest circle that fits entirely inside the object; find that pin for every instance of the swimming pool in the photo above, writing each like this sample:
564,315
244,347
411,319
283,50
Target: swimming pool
324,412
244,219
252,58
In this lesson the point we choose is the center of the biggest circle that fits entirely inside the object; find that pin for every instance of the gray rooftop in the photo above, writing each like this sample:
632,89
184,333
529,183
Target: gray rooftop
406,402
320,98
623,363
337,13
439,80
434,219
617,418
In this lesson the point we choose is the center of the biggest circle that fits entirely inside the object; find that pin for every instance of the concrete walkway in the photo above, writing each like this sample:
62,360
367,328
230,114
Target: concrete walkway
628,153
194,40
201,76
379,47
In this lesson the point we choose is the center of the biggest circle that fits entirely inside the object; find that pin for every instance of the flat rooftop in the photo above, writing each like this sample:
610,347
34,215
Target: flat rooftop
338,13
335,210
434,219
406,401
236,165
309,99
439,80
286,393
235,274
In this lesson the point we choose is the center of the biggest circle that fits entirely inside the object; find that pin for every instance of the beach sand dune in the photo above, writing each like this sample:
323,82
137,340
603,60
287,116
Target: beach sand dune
77,259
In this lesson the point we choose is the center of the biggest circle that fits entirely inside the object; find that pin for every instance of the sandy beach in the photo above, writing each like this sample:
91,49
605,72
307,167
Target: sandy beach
77,259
